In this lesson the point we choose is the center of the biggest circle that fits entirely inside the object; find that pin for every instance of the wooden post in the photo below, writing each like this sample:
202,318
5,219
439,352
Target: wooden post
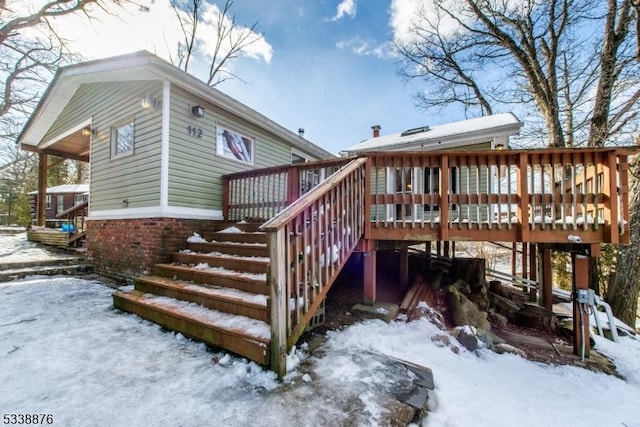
533,271
547,279
278,301
293,184
523,191
225,198
444,198
525,261
404,265
514,258
42,189
446,249
580,318
427,251
369,272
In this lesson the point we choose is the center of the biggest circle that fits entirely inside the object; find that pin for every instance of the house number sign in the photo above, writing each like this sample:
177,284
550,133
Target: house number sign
194,131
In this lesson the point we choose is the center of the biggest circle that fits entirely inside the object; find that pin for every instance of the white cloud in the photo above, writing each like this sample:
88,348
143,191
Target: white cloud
260,49
345,8
405,13
130,27
366,48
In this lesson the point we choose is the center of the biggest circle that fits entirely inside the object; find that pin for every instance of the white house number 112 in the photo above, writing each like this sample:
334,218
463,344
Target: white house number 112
194,131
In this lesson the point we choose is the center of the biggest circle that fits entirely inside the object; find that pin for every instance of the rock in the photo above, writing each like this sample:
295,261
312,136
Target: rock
441,340
495,286
462,286
480,297
497,319
464,311
379,310
424,311
504,306
506,348
536,317
472,338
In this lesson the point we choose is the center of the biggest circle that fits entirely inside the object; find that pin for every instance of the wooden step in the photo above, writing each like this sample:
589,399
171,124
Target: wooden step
248,227
233,248
236,237
255,265
227,300
247,337
256,284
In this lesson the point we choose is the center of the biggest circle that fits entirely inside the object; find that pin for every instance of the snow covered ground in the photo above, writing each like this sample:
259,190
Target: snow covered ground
15,248
66,351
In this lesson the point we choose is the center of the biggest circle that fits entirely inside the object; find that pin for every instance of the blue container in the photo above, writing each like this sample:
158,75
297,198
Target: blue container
68,228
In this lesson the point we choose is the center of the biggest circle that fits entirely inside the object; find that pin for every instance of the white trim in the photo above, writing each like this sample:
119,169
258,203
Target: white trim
66,134
164,159
156,212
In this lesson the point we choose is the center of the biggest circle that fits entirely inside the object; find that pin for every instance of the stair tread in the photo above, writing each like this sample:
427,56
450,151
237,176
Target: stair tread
228,243
215,254
230,294
240,325
252,277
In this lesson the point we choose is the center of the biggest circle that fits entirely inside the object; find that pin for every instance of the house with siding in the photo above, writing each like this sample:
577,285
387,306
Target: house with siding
58,199
482,133
158,141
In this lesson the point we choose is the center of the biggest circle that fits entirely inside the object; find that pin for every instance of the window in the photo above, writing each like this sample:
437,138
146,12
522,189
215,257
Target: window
295,158
79,198
49,201
60,204
122,139
432,183
235,146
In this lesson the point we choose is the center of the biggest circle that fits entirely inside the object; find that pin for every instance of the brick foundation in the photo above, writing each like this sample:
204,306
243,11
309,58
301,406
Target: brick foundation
126,248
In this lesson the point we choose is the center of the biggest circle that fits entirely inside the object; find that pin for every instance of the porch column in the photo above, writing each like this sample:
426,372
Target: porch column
580,318
369,271
404,265
42,189
427,250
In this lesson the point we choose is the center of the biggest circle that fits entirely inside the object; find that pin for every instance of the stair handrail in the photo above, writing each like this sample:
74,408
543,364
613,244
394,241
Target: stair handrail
309,242
71,215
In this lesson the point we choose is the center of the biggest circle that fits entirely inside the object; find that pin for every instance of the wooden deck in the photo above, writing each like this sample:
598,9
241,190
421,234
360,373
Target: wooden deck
318,213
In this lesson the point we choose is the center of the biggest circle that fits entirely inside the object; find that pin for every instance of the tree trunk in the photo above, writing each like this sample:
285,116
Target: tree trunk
624,291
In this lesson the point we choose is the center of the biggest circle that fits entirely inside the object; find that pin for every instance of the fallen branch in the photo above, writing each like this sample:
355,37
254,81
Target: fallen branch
15,347
20,321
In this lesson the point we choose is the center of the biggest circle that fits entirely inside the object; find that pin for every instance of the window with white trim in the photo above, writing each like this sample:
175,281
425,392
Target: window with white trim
122,139
49,201
235,145
60,204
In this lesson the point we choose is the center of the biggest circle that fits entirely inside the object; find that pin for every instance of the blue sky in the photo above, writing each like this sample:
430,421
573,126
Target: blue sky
317,81
323,65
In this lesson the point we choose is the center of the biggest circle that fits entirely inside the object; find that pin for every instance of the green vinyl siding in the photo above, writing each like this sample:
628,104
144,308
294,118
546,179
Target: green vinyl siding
195,169
132,178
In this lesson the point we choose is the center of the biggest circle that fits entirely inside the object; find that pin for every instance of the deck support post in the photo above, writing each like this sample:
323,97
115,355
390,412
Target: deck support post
42,189
447,254
404,265
525,261
580,317
427,251
547,278
533,271
369,276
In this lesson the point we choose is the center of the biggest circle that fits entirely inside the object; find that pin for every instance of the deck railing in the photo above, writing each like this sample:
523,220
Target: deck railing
259,195
309,242
570,195
74,222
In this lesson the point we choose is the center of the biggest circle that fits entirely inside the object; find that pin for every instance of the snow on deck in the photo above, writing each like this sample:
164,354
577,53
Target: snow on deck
230,256
241,324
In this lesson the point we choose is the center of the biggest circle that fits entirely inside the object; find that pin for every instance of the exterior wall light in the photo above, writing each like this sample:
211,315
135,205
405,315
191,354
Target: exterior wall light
197,111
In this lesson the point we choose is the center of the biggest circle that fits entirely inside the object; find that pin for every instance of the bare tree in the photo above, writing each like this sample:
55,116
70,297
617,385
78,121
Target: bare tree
30,53
574,63
231,38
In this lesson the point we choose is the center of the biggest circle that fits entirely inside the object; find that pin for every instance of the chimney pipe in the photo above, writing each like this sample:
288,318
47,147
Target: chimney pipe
376,130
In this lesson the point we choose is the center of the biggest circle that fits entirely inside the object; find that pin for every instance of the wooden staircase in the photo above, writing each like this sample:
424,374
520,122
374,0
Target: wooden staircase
214,291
